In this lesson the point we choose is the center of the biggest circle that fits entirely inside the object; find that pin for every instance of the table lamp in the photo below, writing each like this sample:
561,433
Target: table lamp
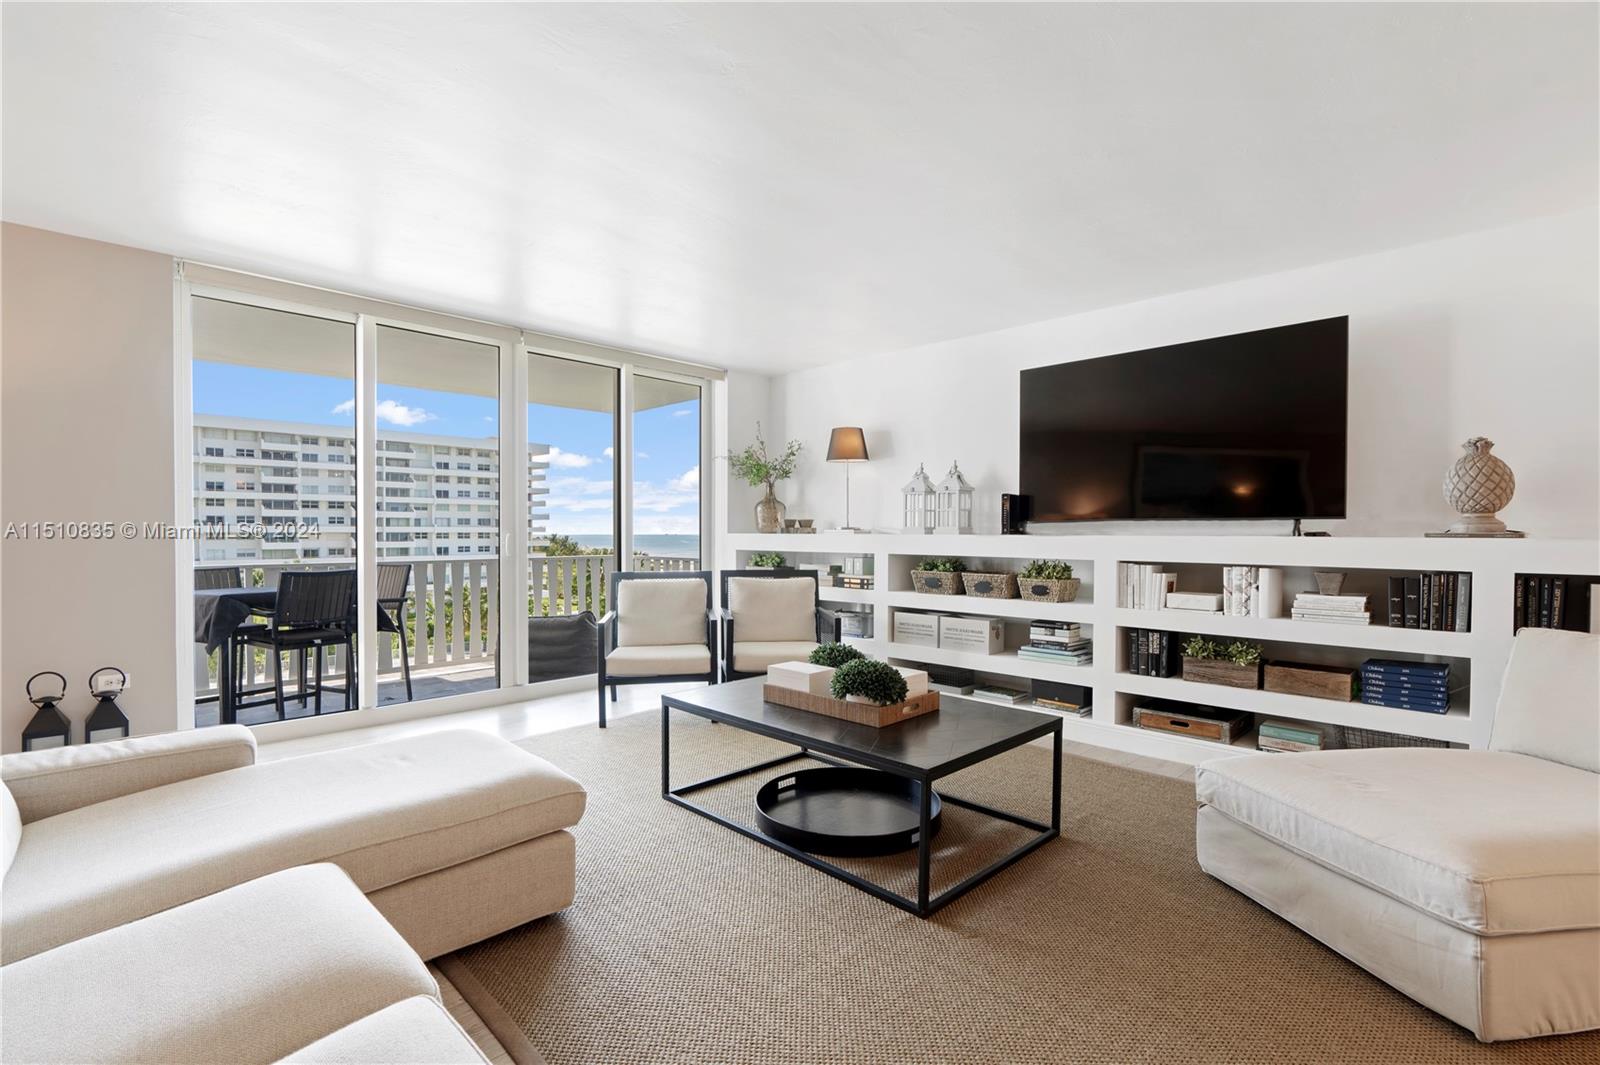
847,444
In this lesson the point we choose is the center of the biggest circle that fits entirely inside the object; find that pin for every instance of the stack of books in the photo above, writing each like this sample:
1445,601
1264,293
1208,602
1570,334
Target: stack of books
1144,586
1441,602
848,580
1057,641
1152,653
1421,686
994,693
1281,737
1338,609
1547,601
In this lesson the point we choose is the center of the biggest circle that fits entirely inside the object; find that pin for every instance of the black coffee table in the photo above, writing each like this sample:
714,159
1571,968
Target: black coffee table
962,733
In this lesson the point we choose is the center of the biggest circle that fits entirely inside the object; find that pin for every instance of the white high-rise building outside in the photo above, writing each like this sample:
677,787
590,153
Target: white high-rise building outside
438,496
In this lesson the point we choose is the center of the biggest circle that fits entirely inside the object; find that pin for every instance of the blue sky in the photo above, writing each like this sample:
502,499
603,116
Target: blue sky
666,439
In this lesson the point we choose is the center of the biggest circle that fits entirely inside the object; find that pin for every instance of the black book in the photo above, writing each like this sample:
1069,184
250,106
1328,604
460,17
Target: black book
1449,602
1558,596
1464,602
1133,650
1413,602
1427,601
1544,602
1397,601
1519,608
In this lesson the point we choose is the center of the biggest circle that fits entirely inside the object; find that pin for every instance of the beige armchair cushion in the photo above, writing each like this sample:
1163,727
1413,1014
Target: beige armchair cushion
756,656
657,613
1489,842
1550,699
384,812
249,974
663,660
773,609
45,783
418,1031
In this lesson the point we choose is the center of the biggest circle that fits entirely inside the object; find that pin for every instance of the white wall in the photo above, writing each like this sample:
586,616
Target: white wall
86,418
749,402
1491,334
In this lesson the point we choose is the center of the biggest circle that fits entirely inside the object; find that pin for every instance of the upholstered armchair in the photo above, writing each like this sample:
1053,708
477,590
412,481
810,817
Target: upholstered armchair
770,616
658,627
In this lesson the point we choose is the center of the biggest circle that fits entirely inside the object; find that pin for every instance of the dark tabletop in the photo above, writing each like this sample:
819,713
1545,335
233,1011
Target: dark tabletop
219,611
960,733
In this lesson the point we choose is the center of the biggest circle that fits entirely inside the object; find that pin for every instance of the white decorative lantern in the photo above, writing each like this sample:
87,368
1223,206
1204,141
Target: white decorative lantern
918,494
953,503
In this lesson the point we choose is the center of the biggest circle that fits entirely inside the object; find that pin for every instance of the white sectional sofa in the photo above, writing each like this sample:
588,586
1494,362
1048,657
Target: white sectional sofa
1469,880
296,966
454,836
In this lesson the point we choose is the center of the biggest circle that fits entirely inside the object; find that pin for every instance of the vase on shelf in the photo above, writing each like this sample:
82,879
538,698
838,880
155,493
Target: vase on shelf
1476,486
769,513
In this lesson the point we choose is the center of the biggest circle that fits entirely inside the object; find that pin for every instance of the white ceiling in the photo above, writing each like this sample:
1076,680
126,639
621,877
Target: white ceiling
774,186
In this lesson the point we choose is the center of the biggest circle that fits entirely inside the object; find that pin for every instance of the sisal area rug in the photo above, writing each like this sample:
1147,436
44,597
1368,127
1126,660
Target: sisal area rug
690,943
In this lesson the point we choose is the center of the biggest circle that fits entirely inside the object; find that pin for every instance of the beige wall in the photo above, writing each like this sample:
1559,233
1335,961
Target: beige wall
86,434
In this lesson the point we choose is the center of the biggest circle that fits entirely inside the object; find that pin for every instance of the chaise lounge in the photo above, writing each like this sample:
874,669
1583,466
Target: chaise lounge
1469,880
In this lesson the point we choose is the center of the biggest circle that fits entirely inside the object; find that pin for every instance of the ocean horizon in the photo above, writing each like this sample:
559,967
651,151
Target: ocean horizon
668,546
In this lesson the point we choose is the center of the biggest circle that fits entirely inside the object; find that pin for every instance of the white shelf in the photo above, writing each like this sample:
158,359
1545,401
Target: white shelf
1006,663
1021,609
1287,630
1454,727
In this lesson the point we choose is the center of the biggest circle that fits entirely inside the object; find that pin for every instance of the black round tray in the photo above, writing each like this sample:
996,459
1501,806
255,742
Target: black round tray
844,811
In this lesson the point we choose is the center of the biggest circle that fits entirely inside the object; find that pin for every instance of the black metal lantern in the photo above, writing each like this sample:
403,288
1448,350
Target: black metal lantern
106,721
49,726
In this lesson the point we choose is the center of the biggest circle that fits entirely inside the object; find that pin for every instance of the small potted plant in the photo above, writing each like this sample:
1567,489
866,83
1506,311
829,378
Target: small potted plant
768,560
833,655
866,680
1045,580
1235,665
938,576
758,468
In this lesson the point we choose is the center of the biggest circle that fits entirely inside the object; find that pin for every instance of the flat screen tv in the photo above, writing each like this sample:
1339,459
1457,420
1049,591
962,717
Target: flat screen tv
1249,426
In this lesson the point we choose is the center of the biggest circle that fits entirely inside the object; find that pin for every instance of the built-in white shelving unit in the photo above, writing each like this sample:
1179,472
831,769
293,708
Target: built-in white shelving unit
1478,656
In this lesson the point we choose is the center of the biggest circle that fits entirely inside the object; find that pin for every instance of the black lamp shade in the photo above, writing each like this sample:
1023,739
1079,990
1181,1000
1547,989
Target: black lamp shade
847,444
49,727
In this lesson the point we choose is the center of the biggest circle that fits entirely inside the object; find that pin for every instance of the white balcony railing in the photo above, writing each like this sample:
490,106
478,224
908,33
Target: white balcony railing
442,591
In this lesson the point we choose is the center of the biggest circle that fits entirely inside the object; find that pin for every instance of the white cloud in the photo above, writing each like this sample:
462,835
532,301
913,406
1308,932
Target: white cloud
690,481
609,452
684,413
568,460
392,412
641,455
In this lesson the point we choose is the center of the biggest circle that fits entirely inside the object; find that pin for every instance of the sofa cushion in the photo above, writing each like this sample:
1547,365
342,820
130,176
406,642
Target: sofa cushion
10,829
754,657
385,812
418,1031
247,975
1550,699
1490,842
655,612
661,660
773,609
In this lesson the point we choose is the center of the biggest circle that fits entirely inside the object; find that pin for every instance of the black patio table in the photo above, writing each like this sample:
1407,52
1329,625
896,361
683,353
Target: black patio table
962,733
218,613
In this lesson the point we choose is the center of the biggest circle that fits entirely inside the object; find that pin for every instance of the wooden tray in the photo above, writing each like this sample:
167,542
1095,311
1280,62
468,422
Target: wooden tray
1217,671
1321,682
860,713
1218,730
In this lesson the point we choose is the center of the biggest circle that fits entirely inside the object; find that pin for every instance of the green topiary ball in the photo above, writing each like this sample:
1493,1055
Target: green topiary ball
834,655
878,682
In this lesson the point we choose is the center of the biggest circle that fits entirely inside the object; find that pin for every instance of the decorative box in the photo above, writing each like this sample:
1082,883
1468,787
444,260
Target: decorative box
916,680
914,628
1321,682
984,636
1209,602
1225,727
990,585
860,713
800,677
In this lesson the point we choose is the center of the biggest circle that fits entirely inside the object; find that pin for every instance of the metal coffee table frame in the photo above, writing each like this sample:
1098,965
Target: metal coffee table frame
817,749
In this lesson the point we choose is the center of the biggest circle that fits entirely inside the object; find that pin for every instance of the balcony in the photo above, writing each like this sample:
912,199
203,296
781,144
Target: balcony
445,658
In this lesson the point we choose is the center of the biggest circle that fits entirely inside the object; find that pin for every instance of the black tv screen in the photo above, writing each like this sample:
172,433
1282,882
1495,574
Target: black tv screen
1249,426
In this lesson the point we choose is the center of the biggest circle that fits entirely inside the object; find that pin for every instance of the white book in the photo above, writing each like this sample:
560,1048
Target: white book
1335,602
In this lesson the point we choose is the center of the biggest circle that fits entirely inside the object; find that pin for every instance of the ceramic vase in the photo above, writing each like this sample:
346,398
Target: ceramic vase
1476,486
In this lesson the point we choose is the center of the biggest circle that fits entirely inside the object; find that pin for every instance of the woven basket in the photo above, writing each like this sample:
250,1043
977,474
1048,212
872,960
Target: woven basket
1043,591
1371,737
990,585
932,582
